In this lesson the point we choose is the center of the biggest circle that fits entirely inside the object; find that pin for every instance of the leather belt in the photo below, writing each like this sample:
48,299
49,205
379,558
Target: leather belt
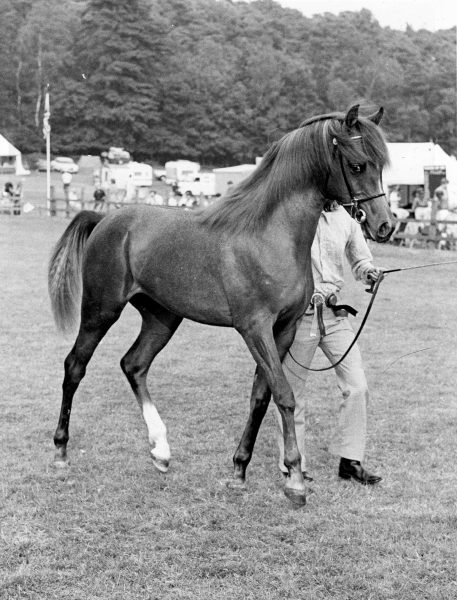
318,301
340,310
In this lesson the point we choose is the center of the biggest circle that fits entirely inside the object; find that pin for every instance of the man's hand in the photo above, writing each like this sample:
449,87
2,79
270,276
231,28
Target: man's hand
373,274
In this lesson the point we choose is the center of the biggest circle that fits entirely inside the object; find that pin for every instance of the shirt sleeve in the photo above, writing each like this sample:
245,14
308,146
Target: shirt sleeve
358,254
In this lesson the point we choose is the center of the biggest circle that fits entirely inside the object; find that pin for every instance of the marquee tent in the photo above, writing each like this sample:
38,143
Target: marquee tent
10,158
227,176
408,161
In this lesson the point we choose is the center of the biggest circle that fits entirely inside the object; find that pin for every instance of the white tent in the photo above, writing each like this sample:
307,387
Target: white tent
10,158
408,161
227,176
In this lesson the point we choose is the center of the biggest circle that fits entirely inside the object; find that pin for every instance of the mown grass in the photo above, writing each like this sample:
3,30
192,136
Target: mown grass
112,527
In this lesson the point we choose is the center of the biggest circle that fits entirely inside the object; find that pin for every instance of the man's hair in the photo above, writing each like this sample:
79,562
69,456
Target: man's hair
330,205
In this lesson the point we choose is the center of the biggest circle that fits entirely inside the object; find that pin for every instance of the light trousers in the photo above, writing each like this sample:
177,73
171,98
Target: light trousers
349,437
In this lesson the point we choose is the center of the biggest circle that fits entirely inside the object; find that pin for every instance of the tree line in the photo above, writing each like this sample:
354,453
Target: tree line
214,81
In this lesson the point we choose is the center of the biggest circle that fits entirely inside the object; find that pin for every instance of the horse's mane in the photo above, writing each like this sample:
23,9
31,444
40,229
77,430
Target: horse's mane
301,160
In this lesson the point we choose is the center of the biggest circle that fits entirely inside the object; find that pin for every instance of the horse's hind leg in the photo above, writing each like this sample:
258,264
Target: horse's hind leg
260,399
91,331
157,329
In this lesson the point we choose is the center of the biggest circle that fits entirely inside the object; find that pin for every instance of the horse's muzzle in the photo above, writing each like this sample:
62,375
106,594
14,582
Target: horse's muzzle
384,232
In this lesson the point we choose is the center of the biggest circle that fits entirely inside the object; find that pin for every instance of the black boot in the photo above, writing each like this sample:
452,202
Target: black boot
352,469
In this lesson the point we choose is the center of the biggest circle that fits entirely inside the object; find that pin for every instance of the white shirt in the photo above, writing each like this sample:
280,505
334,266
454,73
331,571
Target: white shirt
66,178
338,237
398,211
155,199
173,201
394,200
444,202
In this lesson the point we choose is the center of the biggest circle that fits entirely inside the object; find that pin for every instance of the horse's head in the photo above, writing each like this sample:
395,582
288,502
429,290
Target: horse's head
356,153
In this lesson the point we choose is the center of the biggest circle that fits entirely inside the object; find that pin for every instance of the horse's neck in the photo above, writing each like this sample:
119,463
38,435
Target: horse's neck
300,214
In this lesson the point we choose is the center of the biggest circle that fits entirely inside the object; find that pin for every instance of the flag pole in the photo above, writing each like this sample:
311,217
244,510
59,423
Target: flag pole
47,135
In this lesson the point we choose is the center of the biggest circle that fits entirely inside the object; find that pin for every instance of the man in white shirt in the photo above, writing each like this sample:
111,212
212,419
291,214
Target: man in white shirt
442,194
394,201
66,181
337,236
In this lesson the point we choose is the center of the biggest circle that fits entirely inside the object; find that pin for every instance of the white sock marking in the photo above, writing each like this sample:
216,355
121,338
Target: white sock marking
157,431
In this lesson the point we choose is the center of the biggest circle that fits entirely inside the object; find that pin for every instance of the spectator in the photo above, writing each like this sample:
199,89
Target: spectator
394,201
421,207
7,195
174,199
154,198
443,194
398,212
189,200
112,191
11,198
439,205
66,180
8,191
99,197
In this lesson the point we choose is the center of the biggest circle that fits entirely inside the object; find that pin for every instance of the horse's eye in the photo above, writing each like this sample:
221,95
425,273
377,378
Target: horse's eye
356,168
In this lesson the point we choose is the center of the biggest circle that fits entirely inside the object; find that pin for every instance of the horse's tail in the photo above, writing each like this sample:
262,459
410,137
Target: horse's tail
65,269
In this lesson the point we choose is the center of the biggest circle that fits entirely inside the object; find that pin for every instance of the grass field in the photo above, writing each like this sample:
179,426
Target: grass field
111,527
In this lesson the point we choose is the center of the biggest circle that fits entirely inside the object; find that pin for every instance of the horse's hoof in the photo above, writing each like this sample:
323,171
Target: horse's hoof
60,459
60,463
160,464
238,485
295,496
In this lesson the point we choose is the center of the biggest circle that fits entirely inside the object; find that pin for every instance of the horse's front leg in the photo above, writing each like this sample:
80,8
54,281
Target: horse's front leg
268,351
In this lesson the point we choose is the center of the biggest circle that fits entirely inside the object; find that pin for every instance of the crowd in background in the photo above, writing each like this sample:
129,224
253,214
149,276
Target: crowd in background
422,207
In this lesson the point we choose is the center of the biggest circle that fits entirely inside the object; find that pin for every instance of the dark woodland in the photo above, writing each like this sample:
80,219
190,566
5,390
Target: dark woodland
213,81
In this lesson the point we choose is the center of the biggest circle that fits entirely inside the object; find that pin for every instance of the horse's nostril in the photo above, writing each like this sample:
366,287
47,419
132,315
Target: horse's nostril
385,230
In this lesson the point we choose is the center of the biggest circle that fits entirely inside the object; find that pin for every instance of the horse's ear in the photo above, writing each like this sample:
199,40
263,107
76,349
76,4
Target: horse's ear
377,117
352,116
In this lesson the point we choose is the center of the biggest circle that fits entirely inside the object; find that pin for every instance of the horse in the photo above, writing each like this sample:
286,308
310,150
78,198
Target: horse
242,262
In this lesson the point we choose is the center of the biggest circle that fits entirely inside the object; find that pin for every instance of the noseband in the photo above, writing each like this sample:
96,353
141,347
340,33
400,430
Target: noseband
358,214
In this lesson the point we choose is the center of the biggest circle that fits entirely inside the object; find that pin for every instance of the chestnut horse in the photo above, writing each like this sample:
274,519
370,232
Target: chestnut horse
242,262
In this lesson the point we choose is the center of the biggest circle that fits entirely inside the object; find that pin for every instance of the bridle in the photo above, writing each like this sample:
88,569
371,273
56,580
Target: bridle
358,214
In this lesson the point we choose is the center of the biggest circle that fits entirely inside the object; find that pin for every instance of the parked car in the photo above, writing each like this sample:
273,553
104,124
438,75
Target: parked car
64,164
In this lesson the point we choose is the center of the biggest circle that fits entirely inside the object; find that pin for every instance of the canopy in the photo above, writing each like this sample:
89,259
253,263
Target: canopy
408,160
6,148
10,158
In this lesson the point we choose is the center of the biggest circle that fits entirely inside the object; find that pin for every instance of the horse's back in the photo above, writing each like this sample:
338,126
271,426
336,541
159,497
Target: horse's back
152,217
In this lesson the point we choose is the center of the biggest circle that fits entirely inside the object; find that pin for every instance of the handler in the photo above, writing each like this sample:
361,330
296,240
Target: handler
337,235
